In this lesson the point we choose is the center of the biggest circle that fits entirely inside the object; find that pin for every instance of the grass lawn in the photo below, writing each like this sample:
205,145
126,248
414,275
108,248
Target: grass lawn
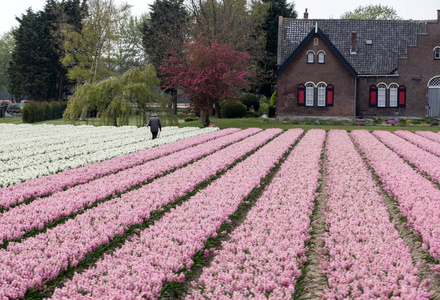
244,123
260,123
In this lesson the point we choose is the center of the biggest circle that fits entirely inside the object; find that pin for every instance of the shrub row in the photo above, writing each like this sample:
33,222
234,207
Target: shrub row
42,111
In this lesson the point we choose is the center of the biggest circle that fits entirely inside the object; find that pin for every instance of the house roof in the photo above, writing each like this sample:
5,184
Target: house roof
389,40
309,36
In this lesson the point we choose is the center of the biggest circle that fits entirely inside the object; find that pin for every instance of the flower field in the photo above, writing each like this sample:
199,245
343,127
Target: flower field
107,213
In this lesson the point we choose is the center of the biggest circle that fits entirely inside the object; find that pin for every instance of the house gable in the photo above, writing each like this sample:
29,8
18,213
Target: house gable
305,41
316,88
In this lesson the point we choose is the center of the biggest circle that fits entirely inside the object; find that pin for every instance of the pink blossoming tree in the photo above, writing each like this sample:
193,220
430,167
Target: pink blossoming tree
208,72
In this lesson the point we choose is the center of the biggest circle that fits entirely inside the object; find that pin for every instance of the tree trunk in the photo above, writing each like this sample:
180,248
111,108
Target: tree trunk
204,117
174,93
218,114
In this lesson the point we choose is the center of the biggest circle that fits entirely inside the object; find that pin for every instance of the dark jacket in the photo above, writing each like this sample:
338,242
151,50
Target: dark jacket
154,124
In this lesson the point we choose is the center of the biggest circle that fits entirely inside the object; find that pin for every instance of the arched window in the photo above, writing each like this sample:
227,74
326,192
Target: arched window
402,96
301,94
321,57
437,53
393,95
321,94
310,57
373,95
310,94
330,94
381,95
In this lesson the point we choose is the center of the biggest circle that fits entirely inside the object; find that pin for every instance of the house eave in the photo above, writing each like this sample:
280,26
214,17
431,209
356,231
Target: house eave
316,30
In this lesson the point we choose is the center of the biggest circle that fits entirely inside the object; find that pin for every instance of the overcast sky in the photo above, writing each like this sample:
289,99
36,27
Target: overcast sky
318,9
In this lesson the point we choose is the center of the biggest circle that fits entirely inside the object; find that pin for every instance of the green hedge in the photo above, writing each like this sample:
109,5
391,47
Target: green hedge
251,101
233,110
43,111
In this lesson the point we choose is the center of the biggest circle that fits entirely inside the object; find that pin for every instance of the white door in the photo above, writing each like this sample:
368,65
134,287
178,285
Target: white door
434,98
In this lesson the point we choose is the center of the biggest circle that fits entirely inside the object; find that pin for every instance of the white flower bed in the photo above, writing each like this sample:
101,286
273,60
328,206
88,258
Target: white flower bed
96,144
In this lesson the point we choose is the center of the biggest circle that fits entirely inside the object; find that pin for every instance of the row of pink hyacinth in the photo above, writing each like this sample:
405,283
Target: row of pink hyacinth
140,267
264,254
425,161
49,184
435,136
420,141
366,256
17,221
37,259
418,197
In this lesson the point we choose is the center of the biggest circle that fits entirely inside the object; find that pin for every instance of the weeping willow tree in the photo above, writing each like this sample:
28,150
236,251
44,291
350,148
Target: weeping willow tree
113,99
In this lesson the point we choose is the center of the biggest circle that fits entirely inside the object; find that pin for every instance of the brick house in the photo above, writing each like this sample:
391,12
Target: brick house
357,68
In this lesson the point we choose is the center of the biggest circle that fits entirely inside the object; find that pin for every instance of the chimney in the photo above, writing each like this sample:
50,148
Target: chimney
306,14
353,42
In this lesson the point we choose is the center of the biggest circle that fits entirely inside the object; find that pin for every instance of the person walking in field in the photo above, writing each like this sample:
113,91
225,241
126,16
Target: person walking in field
155,125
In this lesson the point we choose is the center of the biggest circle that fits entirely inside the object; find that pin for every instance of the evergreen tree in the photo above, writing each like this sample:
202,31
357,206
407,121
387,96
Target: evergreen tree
268,65
164,33
31,70
35,71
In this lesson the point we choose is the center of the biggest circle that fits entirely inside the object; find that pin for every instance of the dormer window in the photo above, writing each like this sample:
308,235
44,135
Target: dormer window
310,57
437,53
321,57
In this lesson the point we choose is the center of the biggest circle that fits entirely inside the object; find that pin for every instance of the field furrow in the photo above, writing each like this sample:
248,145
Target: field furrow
425,162
364,254
143,265
32,262
418,197
38,187
19,220
264,254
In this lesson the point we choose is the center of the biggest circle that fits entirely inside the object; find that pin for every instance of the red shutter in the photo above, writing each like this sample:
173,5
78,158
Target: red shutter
402,96
330,95
301,94
373,95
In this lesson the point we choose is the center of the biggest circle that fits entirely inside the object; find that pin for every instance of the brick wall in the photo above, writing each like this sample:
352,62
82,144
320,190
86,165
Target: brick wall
414,71
300,72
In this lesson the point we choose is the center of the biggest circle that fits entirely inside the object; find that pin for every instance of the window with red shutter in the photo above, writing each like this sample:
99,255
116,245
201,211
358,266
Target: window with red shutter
373,95
330,94
402,96
301,94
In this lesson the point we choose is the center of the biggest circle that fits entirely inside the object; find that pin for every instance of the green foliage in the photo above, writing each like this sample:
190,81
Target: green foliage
251,101
35,71
89,54
7,44
272,111
264,109
268,63
233,110
34,64
273,99
372,12
164,31
42,111
112,99
190,119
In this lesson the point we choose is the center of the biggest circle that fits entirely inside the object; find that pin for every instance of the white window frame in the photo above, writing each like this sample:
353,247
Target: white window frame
310,57
321,58
437,53
381,95
394,92
310,94
321,94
